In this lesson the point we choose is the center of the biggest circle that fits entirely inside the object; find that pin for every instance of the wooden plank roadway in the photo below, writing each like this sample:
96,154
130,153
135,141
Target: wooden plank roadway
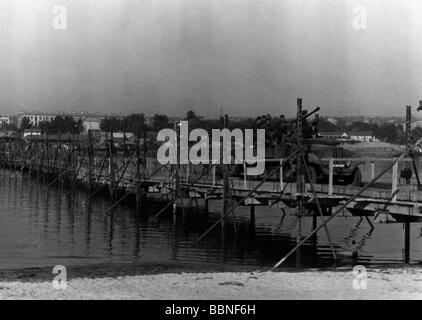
372,202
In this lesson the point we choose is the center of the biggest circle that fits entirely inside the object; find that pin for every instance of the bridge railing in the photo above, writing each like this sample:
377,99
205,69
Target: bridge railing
369,168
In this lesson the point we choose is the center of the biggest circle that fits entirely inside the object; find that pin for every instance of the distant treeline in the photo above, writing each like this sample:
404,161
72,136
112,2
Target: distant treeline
129,124
161,121
391,132
276,127
60,124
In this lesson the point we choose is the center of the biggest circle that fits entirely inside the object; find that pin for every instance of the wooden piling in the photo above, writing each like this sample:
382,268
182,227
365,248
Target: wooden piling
206,204
407,241
176,171
225,181
330,176
144,161
281,175
314,226
111,166
90,152
31,154
138,171
300,183
314,221
59,160
252,212
372,169
245,185
79,162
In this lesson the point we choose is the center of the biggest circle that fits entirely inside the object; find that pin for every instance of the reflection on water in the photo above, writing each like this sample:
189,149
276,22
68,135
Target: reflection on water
43,226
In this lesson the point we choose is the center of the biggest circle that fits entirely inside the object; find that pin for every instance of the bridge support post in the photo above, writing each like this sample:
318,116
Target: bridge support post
30,157
406,242
300,183
79,162
144,190
252,221
227,155
176,174
252,212
281,175
206,204
314,226
59,161
372,169
138,172
245,185
187,173
111,166
330,177
90,160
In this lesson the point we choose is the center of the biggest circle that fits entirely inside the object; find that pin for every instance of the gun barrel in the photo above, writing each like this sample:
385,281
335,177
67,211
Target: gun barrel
312,112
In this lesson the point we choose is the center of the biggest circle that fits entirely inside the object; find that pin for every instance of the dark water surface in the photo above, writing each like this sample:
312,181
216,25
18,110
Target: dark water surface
43,226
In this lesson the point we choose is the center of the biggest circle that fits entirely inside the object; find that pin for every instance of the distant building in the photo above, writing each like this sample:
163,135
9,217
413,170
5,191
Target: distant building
337,136
35,117
4,120
91,123
121,135
31,132
358,136
362,136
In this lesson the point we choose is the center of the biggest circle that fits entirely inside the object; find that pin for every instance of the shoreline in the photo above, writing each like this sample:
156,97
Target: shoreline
119,269
155,281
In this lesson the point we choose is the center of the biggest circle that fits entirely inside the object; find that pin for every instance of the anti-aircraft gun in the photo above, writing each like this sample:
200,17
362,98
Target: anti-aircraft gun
281,140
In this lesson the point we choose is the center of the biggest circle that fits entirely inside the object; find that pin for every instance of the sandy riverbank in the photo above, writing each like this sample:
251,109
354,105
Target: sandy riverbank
390,283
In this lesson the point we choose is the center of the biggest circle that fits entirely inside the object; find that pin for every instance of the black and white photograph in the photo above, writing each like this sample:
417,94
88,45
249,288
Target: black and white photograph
210,154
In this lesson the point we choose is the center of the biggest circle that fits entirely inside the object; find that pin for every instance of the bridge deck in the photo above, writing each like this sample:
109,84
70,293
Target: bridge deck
372,202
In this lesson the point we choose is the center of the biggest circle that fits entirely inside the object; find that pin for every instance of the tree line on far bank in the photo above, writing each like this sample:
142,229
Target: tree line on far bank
60,124
275,126
391,132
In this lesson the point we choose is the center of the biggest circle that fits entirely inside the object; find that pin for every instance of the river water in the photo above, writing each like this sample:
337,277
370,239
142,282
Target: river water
41,225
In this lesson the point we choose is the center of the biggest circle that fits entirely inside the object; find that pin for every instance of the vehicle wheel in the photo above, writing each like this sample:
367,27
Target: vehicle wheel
356,178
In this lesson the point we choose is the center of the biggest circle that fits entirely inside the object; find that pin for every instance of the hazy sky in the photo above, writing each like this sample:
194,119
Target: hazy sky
246,56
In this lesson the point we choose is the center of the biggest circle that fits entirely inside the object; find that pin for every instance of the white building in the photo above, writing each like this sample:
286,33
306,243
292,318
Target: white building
359,136
362,136
337,136
35,117
4,120
31,132
91,123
